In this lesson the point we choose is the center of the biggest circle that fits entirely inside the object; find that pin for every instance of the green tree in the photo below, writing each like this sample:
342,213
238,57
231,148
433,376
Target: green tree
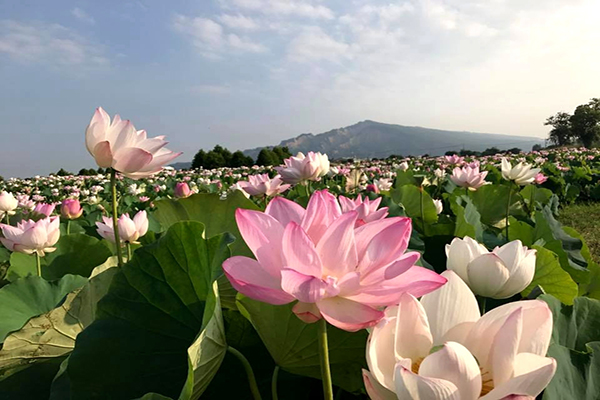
199,159
63,172
267,157
281,153
238,159
585,122
214,159
561,133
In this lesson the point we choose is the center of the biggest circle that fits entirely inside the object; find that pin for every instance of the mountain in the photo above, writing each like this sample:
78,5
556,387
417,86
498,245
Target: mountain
370,139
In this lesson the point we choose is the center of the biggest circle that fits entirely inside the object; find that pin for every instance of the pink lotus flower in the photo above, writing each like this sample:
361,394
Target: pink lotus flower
32,236
119,145
182,190
130,230
262,185
469,177
540,178
304,168
367,209
71,209
454,159
318,257
44,209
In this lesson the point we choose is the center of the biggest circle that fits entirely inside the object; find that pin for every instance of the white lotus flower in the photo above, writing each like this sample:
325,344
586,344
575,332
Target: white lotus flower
498,274
8,204
439,206
400,366
510,342
521,173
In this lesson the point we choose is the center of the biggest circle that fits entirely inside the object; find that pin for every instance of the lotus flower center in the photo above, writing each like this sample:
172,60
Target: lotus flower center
487,383
416,364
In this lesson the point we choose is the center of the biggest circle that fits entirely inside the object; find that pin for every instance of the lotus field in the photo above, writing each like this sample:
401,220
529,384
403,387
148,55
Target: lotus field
406,278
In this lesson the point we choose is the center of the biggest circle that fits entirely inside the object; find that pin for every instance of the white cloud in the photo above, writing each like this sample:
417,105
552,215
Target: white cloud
210,37
299,8
315,44
239,22
211,89
83,16
48,44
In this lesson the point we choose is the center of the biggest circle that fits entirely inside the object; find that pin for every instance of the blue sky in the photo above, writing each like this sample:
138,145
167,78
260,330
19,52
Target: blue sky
245,73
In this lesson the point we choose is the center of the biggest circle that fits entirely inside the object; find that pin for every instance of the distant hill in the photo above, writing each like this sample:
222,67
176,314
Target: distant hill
370,139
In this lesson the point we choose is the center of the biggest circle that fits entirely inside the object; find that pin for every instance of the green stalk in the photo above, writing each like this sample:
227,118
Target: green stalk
274,383
38,264
423,210
128,245
68,226
249,373
113,188
531,202
508,210
7,218
481,300
324,359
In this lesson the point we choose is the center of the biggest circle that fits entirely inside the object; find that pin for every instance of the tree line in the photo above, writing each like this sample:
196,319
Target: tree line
220,156
583,126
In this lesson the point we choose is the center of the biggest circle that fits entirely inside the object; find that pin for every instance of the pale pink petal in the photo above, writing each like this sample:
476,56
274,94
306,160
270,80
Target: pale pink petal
305,288
413,337
386,247
103,154
505,347
367,232
337,248
347,314
307,312
299,252
381,357
455,364
131,159
322,210
449,306
249,278
375,390
412,386
285,211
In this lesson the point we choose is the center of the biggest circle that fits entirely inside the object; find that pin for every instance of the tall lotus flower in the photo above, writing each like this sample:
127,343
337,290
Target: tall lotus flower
383,184
510,342
403,166
540,178
454,159
469,177
498,274
399,347
439,205
262,185
8,204
130,230
304,168
32,236
318,257
71,209
522,174
182,190
366,209
117,144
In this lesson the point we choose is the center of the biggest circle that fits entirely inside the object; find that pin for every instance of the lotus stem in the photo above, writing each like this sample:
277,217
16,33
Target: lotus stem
508,211
422,210
68,226
128,245
274,383
38,264
249,373
324,359
481,300
113,188
7,217
531,201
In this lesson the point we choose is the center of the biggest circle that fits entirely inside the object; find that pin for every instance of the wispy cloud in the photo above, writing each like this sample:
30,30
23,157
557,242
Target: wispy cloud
49,44
294,8
210,38
83,16
211,89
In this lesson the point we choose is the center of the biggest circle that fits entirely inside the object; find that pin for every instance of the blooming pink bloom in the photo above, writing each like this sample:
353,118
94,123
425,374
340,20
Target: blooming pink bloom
119,145
540,178
71,209
25,202
367,209
319,257
32,236
258,185
371,187
304,168
469,177
144,199
44,209
130,230
182,190
454,159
